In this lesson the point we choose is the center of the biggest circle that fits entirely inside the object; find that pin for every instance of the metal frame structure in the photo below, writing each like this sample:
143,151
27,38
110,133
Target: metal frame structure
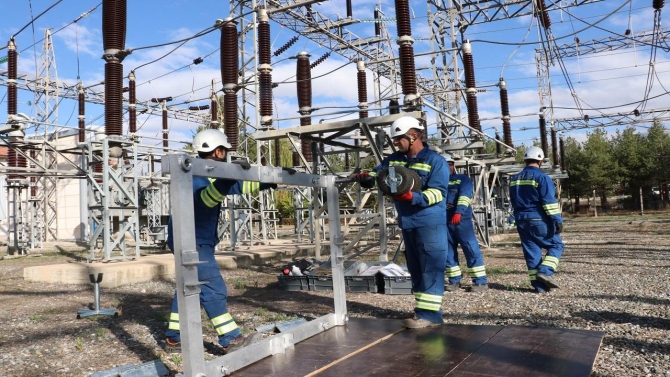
113,198
181,169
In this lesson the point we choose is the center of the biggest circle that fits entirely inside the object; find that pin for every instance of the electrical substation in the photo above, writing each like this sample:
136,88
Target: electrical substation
109,186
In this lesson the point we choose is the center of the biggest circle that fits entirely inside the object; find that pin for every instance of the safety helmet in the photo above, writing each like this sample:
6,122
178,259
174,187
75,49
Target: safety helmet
401,125
449,158
534,153
210,139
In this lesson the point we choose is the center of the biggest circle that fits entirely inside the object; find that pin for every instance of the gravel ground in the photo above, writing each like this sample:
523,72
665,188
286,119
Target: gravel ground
614,278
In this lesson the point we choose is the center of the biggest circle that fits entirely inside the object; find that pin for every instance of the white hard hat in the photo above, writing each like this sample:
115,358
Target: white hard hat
210,139
534,153
401,125
449,158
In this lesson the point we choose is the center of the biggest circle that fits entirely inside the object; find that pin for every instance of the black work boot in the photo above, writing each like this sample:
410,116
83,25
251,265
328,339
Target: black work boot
452,287
547,280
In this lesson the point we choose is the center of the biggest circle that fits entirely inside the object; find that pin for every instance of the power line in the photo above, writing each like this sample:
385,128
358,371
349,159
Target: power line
35,19
555,39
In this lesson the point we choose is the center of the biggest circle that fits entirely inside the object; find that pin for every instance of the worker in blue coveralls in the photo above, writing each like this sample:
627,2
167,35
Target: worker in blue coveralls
422,216
462,232
538,220
211,144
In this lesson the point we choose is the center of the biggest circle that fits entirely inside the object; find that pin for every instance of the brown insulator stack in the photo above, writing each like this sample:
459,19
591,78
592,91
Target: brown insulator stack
362,90
264,69
542,14
114,43
562,154
658,4
229,74
81,119
132,101
33,180
543,134
304,86
11,78
394,106
14,158
470,88
378,28
504,105
97,169
554,147
350,12
498,146
214,120
406,52
165,127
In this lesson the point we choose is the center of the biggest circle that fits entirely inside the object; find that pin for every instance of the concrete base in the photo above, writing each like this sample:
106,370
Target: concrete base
155,267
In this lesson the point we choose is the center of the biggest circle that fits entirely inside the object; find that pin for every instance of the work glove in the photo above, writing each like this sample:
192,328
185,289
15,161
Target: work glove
406,197
291,171
559,228
243,163
456,219
362,177
265,186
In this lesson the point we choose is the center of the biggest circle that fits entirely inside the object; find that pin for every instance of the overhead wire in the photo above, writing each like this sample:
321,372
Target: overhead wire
555,38
33,19
85,14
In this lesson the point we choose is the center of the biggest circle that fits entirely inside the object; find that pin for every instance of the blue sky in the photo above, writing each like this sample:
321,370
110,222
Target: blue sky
602,80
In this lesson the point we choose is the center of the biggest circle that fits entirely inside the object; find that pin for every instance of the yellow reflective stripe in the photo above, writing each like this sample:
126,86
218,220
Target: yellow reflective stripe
455,182
524,182
211,196
174,321
420,166
373,174
249,187
223,318
477,272
550,262
427,301
227,321
551,209
453,271
396,163
226,328
532,274
433,196
463,201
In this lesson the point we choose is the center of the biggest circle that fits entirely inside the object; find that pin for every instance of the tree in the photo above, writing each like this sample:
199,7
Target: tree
575,164
629,151
601,166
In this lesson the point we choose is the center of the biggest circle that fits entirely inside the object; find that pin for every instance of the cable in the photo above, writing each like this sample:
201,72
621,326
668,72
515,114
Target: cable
556,39
315,77
611,107
34,19
72,22
530,26
606,30
180,68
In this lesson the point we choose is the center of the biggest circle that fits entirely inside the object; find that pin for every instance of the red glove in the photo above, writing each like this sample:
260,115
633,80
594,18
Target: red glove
406,197
362,176
456,219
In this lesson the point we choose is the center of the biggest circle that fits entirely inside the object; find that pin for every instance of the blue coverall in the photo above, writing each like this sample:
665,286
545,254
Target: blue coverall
458,201
423,223
536,213
207,197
